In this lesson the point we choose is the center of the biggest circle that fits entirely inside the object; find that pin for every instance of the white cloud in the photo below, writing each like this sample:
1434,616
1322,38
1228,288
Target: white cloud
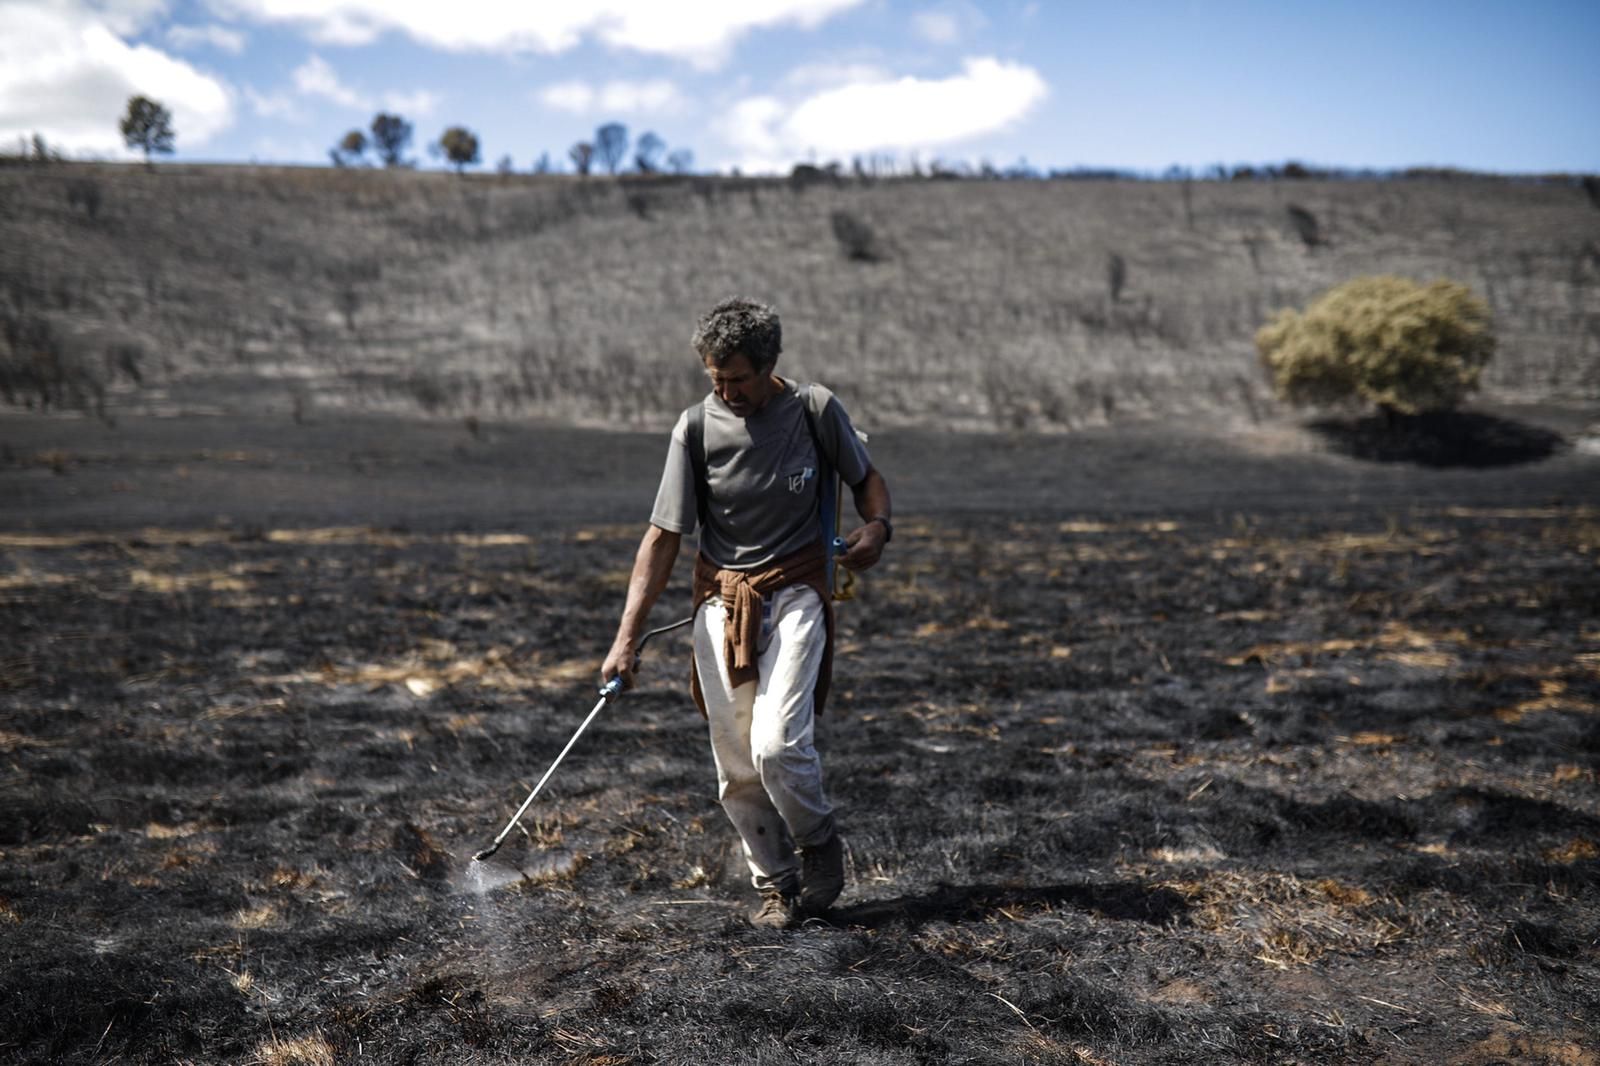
218,37
66,73
949,22
417,104
903,115
574,96
940,27
914,113
643,97
658,96
316,77
752,126
275,105
699,31
122,17
832,75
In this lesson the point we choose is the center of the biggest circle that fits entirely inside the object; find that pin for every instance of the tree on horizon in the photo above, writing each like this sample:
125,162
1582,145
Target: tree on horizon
582,155
460,147
351,149
611,145
391,134
147,125
647,151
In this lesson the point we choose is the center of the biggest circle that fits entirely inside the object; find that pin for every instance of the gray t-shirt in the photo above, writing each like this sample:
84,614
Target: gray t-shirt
763,477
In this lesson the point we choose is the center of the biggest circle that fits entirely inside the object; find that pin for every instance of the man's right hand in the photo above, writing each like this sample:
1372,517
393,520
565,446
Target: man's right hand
620,661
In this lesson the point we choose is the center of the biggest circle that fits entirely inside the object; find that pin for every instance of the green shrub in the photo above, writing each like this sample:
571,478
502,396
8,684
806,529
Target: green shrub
1305,225
85,193
1116,275
1406,347
855,238
38,368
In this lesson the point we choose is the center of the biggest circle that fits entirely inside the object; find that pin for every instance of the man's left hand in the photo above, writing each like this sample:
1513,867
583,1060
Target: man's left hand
864,546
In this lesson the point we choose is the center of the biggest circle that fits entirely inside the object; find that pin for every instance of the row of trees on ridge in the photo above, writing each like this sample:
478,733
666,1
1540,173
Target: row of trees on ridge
146,125
389,137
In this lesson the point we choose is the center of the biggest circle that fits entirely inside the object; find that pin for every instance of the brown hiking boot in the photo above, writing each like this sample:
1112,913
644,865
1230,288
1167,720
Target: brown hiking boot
778,911
821,875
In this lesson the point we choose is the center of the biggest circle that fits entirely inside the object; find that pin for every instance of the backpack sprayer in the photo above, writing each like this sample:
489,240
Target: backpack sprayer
613,688
609,691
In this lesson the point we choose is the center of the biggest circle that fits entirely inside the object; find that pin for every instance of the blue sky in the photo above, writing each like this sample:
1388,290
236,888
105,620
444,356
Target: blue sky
761,84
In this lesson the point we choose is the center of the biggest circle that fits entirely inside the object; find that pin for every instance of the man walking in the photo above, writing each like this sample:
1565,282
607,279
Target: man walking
745,468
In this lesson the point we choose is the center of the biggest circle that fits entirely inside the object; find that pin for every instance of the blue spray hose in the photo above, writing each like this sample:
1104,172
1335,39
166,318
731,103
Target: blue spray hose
609,691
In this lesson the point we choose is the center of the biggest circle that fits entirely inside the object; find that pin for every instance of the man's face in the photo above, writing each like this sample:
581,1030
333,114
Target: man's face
740,387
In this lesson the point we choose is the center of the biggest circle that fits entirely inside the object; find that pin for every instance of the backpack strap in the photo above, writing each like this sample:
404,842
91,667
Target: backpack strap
829,490
807,400
697,459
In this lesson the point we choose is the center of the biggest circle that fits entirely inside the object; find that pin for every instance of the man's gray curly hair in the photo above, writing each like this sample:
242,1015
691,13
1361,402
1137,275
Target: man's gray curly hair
740,327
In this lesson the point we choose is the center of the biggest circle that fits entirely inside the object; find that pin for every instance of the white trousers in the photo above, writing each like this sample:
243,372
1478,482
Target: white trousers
769,777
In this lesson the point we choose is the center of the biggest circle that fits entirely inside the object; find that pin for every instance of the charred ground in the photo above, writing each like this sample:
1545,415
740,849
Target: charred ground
1151,749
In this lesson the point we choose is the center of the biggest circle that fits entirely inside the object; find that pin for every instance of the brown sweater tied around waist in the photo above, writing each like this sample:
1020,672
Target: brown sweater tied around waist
742,591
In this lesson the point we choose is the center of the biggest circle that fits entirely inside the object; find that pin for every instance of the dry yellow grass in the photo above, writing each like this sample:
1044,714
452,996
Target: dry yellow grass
1397,642
260,916
1516,1044
312,1050
1578,849
158,831
1372,739
1553,696
1287,921
10,742
435,665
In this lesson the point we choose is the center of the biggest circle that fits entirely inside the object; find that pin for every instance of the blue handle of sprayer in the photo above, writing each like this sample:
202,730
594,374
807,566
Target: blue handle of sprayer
613,688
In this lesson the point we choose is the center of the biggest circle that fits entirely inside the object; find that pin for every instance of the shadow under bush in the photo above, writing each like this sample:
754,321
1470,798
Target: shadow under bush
1439,439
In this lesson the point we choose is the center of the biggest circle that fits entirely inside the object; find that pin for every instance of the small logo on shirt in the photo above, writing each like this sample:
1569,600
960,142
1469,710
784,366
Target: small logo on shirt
797,482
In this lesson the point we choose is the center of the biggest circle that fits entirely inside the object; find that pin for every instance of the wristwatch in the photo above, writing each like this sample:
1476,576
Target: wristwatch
888,527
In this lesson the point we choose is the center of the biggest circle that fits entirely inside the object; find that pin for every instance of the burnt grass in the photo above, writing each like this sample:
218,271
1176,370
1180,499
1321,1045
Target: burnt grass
1225,771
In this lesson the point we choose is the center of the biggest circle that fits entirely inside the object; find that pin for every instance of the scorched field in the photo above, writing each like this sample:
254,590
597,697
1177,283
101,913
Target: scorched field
1148,749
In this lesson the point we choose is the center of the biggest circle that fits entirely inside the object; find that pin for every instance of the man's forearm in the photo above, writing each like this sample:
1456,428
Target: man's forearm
652,569
872,497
